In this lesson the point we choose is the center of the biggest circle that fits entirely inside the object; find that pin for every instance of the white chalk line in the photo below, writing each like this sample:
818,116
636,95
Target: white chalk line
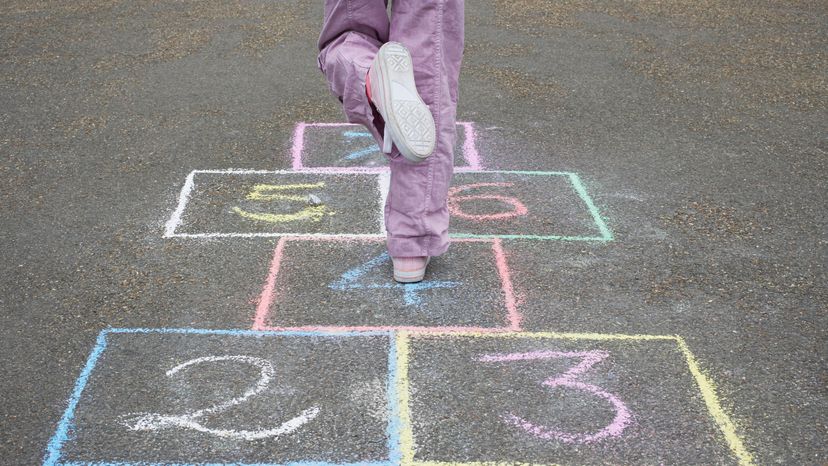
343,236
383,182
189,184
183,197
153,421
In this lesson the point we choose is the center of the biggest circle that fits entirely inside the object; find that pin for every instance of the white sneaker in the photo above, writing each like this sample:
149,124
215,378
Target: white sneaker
408,121
410,269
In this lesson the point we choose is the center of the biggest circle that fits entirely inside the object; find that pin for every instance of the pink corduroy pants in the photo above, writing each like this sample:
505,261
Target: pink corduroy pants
416,211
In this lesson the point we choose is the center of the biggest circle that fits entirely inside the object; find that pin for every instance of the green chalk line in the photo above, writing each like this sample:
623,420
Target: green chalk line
596,216
578,186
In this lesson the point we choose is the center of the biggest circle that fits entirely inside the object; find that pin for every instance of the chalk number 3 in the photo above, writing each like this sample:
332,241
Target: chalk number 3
153,421
568,380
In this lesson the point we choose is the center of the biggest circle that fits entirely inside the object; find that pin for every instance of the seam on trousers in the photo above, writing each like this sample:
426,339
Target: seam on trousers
438,58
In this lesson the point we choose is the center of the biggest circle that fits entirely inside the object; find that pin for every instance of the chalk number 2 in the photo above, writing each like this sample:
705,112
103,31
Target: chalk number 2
568,380
154,421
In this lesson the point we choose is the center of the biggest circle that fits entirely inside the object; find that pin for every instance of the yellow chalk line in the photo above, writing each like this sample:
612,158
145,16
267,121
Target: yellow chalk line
479,463
257,192
277,197
557,335
314,213
403,399
708,391
706,387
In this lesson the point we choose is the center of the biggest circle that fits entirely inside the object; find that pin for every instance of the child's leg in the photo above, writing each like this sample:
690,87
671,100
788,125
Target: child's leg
416,212
352,32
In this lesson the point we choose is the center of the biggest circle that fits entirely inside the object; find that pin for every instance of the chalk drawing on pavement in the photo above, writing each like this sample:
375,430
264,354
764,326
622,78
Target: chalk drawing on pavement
511,198
569,380
518,208
493,297
274,192
356,279
356,150
153,421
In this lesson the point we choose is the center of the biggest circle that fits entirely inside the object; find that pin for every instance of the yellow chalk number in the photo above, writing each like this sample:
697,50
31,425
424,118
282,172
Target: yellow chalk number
282,192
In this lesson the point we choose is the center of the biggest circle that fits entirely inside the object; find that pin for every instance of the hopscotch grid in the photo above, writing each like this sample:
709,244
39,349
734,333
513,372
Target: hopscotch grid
268,296
575,182
54,449
401,439
704,383
189,185
400,430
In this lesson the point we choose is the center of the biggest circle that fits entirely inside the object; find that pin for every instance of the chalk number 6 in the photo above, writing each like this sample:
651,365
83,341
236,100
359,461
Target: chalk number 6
515,207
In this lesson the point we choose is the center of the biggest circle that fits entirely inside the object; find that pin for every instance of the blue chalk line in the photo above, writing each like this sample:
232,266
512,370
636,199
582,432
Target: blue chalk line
65,428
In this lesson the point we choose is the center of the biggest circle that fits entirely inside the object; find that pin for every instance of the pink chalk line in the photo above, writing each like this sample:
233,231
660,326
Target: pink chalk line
568,379
269,289
470,154
514,315
384,328
269,295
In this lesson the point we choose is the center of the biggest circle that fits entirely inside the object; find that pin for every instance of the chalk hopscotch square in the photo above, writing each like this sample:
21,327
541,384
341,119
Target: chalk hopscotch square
524,205
329,284
188,396
540,398
249,203
338,146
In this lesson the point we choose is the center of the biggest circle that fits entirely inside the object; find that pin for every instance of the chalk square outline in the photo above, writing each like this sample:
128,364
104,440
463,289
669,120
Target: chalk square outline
267,298
605,234
575,182
175,219
54,449
706,386
470,153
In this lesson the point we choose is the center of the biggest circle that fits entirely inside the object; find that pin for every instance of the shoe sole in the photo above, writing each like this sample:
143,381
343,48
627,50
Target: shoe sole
411,276
408,120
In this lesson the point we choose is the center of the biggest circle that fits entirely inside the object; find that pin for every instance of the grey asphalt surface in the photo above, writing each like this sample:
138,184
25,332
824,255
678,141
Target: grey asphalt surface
698,129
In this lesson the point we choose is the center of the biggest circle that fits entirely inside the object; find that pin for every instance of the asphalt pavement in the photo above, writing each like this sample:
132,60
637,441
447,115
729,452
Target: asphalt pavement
193,269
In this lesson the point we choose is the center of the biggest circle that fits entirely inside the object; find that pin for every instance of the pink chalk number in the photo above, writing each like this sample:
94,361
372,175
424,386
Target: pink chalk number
569,380
517,208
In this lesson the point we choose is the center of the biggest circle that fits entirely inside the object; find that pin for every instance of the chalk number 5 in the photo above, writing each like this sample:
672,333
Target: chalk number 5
281,192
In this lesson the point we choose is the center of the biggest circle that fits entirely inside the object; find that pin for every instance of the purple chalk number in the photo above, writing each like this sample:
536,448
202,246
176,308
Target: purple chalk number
568,380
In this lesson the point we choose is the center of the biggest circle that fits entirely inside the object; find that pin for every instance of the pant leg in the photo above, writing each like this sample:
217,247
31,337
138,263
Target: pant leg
416,211
352,32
